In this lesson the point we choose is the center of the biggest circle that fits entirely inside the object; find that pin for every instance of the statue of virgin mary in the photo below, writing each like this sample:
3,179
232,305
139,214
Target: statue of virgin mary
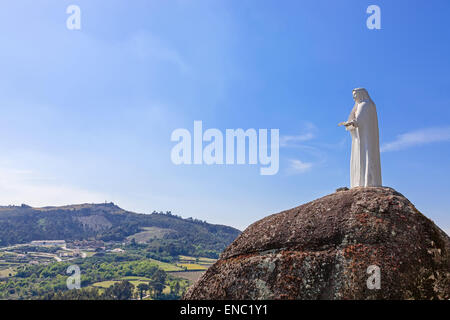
365,168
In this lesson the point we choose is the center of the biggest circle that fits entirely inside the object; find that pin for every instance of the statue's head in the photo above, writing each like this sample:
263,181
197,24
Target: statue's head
360,94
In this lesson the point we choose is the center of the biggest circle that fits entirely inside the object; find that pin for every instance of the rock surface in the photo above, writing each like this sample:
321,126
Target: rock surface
322,249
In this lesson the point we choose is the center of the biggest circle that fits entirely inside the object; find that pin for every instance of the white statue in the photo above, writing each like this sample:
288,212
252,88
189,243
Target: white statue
365,168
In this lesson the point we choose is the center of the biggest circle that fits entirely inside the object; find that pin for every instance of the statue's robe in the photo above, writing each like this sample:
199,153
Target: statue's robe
365,167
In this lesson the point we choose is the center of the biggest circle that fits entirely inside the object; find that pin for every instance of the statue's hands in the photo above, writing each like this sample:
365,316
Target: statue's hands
348,124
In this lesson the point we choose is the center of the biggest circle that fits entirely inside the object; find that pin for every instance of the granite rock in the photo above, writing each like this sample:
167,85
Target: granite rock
323,249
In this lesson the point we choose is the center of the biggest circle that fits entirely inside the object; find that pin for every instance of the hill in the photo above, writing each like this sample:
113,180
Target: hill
108,222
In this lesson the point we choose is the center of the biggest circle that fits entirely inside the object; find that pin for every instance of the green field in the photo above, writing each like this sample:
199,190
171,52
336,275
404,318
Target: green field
130,278
5,273
186,258
201,260
107,284
193,266
166,266
133,280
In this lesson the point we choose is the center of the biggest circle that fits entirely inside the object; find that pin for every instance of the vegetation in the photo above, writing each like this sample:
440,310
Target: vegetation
102,277
121,254
122,290
108,222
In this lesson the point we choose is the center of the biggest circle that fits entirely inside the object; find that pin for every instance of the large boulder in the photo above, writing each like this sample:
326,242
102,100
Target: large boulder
324,249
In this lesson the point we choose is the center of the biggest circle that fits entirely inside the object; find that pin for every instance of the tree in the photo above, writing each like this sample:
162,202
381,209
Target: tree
177,288
120,291
142,287
158,282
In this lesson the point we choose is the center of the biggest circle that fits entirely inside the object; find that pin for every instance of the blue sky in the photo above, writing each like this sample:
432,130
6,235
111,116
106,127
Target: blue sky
87,114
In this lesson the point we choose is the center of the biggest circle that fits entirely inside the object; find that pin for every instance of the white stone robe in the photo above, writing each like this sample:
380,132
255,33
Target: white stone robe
365,167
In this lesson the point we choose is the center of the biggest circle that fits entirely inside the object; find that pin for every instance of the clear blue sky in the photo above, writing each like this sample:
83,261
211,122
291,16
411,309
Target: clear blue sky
86,115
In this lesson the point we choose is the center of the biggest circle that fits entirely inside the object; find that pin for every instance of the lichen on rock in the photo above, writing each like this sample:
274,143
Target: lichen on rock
322,249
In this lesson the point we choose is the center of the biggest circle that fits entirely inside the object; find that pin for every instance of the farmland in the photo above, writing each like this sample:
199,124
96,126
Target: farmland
39,271
114,253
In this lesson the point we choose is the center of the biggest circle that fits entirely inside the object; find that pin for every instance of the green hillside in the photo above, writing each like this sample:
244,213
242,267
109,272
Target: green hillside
108,222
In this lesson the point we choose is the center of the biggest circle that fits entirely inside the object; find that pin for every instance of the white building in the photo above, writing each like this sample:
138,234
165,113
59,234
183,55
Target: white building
56,243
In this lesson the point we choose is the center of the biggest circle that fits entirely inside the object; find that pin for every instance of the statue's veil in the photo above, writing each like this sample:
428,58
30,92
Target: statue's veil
363,95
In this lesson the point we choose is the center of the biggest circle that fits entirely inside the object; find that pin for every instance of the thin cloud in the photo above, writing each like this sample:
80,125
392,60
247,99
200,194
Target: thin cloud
297,166
286,141
415,138
294,140
147,46
24,186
